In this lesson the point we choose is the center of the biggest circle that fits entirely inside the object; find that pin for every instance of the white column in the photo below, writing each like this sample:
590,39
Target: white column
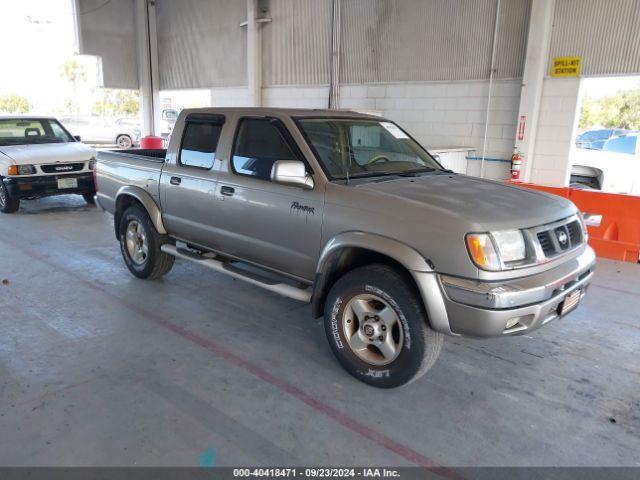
535,70
147,47
254,54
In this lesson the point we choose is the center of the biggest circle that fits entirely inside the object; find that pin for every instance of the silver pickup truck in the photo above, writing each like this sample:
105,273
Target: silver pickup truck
348,212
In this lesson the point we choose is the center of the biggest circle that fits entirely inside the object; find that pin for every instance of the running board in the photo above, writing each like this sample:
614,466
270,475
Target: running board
300,294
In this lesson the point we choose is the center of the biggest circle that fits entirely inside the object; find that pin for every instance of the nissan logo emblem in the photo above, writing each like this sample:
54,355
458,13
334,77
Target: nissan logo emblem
63,168
562,238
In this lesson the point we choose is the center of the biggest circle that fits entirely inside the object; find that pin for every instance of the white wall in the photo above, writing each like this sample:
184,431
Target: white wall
437,114
284,97
446,114
559,114
230,97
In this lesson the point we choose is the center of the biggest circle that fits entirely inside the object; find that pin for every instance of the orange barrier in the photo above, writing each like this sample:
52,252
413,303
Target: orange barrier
617,234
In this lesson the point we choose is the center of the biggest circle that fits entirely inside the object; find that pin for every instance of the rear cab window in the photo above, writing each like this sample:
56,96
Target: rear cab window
200,141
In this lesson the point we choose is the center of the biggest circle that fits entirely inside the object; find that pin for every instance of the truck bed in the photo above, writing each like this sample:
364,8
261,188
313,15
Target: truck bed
128,168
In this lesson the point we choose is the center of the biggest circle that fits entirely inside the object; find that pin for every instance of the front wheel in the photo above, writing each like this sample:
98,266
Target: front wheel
140,245
8,204
377,328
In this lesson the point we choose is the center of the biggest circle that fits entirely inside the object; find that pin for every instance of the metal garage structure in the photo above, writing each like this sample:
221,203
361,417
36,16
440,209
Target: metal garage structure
476,87
101,369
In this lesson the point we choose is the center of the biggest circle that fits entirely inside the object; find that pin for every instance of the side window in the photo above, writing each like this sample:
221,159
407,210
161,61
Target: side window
199,143
58,132
258,145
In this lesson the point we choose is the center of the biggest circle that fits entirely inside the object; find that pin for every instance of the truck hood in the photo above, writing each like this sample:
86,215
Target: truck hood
485,205
48,153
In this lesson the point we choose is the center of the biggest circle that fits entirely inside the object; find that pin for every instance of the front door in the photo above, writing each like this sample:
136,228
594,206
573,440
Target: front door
274,225
188,182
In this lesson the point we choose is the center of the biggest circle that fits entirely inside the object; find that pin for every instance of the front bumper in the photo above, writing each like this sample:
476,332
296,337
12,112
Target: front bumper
513,307
43,186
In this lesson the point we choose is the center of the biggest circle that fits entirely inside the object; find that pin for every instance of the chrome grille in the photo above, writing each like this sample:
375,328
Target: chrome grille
560,237
62,167
545,243
575,232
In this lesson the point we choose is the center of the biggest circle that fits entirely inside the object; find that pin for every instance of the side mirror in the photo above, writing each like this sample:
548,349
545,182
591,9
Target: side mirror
292,173
436,157
77,137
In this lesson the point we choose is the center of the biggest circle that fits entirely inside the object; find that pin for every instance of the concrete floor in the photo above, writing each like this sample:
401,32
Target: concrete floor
99,368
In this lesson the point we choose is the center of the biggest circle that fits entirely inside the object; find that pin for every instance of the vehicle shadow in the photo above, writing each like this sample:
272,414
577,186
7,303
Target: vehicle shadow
57,204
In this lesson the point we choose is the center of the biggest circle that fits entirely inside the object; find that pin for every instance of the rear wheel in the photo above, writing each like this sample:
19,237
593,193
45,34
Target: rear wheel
8,204
377,327
124,141
140,245
88,197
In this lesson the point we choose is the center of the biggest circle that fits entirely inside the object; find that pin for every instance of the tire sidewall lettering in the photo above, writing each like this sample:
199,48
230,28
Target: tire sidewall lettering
335,327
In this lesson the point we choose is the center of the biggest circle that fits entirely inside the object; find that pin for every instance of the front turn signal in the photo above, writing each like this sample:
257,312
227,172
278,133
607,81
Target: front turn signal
483,252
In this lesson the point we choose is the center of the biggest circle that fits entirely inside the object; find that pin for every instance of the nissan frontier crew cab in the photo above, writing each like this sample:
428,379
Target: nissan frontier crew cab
348,212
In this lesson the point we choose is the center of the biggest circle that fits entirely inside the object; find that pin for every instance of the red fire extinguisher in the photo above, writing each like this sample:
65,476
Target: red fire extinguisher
516,165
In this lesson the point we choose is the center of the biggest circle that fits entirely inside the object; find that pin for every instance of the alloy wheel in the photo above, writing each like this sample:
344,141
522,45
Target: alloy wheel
372,329
137,244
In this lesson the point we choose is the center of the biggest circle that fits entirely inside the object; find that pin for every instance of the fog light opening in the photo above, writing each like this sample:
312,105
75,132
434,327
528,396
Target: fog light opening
512,322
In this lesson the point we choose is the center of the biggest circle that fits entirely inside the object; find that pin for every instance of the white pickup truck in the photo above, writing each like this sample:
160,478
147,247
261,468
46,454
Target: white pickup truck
614,169
39,158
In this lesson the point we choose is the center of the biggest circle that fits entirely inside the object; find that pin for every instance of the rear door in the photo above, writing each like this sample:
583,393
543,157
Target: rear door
273,225
188,181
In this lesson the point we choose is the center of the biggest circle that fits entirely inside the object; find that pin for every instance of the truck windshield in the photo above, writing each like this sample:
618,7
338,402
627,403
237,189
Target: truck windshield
364,148
30,131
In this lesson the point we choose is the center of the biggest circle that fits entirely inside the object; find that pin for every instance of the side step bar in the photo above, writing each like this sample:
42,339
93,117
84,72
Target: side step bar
301,294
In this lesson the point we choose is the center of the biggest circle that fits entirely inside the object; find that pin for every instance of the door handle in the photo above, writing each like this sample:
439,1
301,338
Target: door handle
175,181
227,191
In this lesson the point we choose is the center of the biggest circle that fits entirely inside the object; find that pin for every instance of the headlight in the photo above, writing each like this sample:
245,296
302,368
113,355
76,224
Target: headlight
489,251
22,170
511,245
483,252
92,163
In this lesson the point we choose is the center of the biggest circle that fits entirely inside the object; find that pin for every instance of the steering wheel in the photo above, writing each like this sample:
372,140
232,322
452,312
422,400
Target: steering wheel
378,159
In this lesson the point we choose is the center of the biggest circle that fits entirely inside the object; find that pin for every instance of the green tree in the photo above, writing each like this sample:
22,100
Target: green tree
128,102
117,103
621,110
73,72
13,103
588,113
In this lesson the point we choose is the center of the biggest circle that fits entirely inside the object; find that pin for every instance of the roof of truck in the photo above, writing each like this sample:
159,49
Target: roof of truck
291,112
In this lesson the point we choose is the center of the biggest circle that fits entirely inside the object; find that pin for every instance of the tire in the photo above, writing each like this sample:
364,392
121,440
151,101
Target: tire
380,289
8,204
124,141
88,197
141,250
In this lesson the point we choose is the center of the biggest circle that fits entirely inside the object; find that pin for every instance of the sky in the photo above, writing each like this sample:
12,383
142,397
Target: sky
606,86
38,36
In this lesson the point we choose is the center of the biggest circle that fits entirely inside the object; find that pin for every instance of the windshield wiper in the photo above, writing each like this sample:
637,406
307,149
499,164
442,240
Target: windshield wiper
404,173
372,174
